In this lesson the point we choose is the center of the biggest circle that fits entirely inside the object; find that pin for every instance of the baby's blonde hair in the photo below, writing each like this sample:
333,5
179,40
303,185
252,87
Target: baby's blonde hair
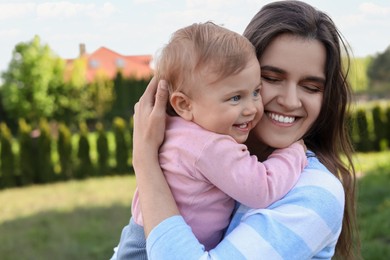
202,49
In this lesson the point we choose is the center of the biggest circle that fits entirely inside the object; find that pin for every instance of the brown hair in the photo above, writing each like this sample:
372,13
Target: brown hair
328,137
202,48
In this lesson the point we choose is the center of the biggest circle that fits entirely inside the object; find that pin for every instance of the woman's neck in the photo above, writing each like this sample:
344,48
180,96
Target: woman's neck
258,148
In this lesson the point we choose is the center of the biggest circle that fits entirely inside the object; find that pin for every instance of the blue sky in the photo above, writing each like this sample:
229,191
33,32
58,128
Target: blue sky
133,27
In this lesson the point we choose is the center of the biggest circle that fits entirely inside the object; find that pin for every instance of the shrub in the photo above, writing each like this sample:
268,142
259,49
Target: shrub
64,147
26,154
388,124
363,142
102,149
121,147
7,158
44,165
379,120
85,167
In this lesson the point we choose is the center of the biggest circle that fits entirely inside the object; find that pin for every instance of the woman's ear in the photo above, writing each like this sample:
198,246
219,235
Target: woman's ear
182,104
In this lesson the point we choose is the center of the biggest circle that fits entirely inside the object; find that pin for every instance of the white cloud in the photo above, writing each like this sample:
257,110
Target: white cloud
15,10
373,9
9,33
353,19
138,2
69,9
208,4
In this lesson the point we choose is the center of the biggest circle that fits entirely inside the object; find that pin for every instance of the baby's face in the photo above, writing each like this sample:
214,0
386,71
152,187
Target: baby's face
231,106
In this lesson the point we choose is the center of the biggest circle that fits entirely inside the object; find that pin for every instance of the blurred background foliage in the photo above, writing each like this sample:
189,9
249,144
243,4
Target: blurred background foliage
57,128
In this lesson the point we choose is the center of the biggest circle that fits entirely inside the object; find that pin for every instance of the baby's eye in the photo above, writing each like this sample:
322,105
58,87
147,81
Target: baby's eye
256,93
235,98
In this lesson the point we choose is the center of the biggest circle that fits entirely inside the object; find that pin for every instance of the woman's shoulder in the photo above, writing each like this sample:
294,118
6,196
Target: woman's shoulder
315,174
317,189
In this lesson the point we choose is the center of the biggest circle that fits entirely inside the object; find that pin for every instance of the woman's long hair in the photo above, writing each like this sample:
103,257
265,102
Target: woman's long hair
329,136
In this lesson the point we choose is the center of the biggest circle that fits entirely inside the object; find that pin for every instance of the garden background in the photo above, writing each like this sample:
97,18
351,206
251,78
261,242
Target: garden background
65,156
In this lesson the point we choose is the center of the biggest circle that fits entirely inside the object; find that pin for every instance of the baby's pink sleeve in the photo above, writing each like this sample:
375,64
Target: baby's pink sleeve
230,167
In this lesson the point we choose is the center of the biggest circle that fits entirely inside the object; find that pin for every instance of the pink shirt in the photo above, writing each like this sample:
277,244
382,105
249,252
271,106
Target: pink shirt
207,172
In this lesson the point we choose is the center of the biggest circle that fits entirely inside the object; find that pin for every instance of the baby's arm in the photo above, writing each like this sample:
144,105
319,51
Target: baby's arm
230,167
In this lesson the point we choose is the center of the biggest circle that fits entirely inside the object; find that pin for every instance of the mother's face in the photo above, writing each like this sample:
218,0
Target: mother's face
293,76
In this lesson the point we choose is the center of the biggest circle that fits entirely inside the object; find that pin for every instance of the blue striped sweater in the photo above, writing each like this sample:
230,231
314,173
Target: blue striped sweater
305,224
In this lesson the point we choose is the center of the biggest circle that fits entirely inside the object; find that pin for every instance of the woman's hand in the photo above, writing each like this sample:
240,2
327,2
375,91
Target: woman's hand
148,135
149,121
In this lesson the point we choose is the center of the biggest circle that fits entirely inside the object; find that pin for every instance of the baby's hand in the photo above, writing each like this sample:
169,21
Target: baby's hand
301,142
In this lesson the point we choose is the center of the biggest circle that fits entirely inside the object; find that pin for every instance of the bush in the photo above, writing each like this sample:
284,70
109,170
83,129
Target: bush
44,165
388,125
379,120
64,146
102,149
363,142
26,154
7,158
122,149
85,167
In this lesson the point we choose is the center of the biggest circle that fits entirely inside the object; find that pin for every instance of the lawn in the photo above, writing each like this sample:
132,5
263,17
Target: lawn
83,219
72,220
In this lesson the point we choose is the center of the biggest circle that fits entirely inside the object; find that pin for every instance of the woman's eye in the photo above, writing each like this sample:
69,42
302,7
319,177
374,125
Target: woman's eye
235,98
313,89
269,78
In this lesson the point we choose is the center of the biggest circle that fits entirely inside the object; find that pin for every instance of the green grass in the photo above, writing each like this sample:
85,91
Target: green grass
72,220
374,212
368,163
83,219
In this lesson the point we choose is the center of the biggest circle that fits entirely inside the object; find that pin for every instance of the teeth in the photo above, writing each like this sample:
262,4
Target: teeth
281,119
245,125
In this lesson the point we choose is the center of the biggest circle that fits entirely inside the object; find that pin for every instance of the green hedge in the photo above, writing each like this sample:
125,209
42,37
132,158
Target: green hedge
54,152
45,154
371,127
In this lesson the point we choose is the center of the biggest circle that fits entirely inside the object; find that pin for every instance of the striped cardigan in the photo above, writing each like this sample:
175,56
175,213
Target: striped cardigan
305,224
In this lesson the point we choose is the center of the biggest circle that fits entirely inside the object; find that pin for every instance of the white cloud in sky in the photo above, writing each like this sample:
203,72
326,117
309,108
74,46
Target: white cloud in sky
15,10
144,26
48,10
373,9
9,33
368,14
210,4
69,9
139,2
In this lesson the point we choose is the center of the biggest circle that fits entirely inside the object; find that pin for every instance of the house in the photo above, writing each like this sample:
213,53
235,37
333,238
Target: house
107,62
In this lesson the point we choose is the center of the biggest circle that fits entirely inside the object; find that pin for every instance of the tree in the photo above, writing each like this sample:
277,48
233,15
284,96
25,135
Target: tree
379,74
357,75
379,69
71,100
31,80
101,96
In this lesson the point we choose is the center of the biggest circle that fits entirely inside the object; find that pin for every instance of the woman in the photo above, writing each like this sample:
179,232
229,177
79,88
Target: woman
305,94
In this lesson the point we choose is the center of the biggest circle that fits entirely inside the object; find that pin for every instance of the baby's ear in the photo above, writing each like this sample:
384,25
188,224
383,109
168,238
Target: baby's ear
182,104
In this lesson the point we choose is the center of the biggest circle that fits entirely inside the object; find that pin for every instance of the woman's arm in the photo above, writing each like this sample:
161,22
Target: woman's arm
305,224
149,128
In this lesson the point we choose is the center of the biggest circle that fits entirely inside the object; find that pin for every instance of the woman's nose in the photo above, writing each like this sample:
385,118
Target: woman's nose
289,97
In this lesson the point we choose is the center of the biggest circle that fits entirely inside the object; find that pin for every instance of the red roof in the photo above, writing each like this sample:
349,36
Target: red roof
108,62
